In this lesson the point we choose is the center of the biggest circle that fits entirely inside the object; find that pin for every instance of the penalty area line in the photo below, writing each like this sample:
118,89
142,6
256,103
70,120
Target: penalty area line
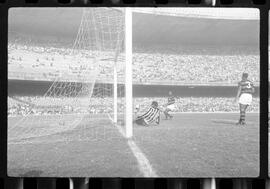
143,163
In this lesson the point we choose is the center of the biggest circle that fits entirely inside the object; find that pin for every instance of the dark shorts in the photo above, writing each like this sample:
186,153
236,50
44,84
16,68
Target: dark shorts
140,122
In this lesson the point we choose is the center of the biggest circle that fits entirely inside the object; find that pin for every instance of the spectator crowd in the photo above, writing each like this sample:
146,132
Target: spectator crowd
199,104
166,63
38,105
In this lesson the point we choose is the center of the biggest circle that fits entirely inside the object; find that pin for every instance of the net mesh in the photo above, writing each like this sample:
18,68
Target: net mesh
83,89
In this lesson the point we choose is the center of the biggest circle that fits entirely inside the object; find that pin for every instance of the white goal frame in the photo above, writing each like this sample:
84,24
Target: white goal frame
128,72
128,77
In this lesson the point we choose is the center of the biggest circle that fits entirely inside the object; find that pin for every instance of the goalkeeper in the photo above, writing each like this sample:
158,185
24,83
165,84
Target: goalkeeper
151,116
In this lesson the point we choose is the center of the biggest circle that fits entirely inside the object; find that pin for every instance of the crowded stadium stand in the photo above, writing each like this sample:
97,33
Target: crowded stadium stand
155,54
186,104
191,54
150,64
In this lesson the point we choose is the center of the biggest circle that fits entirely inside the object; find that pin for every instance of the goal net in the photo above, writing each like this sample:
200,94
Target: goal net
89,89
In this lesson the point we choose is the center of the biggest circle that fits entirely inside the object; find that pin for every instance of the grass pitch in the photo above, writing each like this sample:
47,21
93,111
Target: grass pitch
189,145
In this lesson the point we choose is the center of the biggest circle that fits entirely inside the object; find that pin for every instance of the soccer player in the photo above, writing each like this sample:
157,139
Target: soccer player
170,106
151,116
244,96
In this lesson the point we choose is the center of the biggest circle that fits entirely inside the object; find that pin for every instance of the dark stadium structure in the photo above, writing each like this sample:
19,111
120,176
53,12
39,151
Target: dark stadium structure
183,30
38,88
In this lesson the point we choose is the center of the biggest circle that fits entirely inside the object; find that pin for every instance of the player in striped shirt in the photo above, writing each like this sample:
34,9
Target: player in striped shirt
151,116
244,96
170,106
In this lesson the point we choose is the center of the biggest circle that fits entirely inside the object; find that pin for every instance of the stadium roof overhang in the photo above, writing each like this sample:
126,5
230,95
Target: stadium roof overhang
189,30
160,27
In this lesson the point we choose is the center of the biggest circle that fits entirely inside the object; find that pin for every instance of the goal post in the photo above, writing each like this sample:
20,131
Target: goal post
128,76
128,72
